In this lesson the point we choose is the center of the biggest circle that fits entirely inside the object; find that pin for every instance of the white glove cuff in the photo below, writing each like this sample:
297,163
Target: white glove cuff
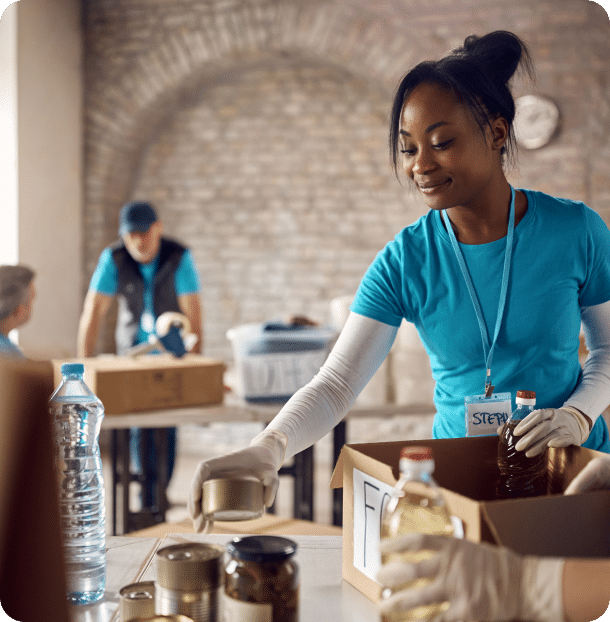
583,424
276,441
541,589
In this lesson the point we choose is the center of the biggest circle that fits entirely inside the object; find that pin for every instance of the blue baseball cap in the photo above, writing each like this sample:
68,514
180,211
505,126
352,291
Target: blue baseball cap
136,216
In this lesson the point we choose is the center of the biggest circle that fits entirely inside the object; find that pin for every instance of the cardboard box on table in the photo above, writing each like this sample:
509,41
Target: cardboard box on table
151,382
466,470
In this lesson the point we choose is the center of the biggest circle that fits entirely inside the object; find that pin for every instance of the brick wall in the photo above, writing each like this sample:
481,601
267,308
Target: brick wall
259,130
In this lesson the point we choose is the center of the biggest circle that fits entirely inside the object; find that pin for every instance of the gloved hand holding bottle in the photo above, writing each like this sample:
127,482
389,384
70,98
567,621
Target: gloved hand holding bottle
479,581
552,427
262,459
486,582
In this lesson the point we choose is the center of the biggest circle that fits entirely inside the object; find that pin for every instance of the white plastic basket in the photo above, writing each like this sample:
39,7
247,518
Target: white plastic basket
270,365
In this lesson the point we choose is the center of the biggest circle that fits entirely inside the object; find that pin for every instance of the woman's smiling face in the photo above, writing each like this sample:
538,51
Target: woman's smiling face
444,151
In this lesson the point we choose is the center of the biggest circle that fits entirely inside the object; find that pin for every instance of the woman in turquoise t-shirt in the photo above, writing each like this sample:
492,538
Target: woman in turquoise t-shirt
497,280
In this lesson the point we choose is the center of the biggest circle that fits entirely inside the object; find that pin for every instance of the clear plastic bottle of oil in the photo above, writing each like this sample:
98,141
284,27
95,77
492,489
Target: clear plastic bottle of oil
520,476
416,506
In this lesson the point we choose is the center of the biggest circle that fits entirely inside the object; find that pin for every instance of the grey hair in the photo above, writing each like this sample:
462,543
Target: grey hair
14,283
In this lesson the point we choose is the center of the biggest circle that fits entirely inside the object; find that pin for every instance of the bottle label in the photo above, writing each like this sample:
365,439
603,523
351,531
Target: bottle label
241,611
484,415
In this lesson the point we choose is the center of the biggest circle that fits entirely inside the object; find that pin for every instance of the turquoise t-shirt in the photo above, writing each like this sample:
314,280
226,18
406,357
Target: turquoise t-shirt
105,281
560,263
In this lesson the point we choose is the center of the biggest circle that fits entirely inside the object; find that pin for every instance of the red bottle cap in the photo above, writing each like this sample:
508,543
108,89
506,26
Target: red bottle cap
527,395
416,453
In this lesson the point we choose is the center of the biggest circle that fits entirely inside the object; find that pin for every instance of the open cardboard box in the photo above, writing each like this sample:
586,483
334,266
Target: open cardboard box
151,382
466,470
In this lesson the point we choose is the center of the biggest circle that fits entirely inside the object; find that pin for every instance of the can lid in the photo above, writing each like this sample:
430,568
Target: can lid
137,600
262,548
144,590
416,453
192,566
232,498
526,395
72,368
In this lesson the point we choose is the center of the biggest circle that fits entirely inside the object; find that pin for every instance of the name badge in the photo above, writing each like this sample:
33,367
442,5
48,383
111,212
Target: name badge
484,415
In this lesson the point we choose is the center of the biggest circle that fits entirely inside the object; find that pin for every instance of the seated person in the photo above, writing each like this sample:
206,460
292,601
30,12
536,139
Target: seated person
17,294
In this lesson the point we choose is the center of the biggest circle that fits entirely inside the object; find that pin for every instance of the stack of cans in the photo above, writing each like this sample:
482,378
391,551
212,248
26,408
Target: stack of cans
189,581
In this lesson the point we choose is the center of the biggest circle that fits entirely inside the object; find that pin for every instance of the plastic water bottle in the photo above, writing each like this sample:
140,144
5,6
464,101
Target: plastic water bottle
520,476
77,417
416,506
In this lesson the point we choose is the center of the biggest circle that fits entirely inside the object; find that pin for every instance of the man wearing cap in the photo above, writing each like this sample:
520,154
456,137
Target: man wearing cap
17,294
148,274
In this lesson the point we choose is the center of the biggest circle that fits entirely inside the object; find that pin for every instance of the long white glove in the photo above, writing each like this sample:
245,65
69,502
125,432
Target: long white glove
263,459
479,581
595,476
551,427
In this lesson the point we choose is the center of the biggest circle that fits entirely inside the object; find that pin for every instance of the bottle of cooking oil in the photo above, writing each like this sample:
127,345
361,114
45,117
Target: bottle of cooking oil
416,506
520,476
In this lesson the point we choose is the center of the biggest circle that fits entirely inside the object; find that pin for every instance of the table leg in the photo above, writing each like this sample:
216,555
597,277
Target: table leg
121,477
304,484
339,439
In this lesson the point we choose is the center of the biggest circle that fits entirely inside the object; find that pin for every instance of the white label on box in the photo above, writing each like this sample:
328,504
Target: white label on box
370,497
281,374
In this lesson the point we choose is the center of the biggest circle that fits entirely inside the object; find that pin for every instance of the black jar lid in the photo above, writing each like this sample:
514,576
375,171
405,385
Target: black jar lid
262,549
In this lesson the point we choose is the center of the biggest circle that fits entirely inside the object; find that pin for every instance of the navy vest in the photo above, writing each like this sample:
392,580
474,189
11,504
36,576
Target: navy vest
130,289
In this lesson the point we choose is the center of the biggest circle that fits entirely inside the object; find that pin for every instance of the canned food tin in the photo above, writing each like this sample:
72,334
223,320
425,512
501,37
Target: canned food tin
137,600
232,498
188,581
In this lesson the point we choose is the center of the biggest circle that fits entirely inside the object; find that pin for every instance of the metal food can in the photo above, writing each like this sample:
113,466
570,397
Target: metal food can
232,498
137,600
189,578
176,618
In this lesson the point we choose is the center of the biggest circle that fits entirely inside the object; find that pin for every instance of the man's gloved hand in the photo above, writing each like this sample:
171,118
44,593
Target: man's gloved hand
263,459
595,476
479,581
551,427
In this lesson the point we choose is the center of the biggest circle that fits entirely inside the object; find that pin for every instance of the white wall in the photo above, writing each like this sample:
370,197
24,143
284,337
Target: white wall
8,135
50,155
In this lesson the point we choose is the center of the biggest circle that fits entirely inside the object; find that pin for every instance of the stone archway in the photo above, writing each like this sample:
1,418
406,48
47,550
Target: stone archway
124,107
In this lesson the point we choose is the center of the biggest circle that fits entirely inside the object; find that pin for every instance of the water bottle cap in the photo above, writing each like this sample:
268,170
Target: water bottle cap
416,453
68,369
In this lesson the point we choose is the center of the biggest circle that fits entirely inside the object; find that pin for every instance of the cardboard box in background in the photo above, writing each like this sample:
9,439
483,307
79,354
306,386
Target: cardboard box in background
151,382
466,470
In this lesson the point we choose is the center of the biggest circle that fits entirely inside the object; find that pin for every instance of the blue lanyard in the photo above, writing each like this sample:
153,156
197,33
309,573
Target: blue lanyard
487,349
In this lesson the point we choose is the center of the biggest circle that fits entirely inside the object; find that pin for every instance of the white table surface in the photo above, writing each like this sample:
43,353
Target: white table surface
323,595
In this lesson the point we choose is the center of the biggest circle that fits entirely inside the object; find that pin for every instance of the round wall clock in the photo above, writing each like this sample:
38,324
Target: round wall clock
536,121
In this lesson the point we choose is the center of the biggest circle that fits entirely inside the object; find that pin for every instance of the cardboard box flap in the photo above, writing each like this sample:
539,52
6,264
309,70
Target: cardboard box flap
374,458
558,525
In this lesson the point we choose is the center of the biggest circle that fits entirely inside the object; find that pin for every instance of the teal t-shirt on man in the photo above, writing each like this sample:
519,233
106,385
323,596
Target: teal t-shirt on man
560,263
